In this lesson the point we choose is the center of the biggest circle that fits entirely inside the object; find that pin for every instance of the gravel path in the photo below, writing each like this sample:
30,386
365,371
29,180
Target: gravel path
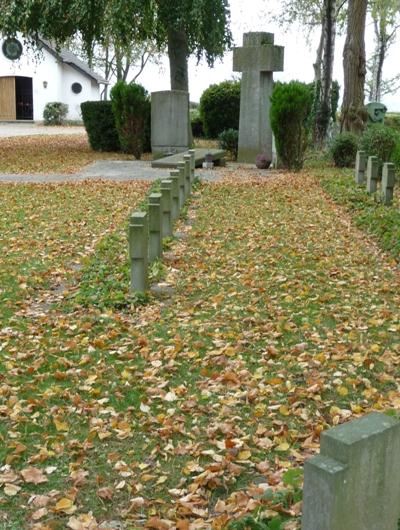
29,129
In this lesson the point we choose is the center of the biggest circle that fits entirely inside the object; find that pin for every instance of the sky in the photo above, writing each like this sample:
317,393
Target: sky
256,15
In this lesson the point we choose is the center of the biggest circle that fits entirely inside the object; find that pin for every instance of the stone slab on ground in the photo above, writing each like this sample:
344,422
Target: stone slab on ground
200,154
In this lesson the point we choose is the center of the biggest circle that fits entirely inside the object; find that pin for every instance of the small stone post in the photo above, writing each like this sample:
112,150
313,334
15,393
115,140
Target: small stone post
155,226
372,174
166,204
183,182
174,177
361,164
188,173
354,482
192,154
388,181
138,251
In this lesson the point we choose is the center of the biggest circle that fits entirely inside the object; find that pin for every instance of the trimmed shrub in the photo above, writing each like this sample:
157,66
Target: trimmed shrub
291,105
393,121
380,141
220,108
344,149
131,107
396,157
229,141
197,123
55,113
99,122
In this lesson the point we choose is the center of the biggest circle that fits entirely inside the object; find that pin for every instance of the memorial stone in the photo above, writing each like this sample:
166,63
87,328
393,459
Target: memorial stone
138,251
182,186
372,174
174,177
354,483
388,182
257,60
155,226
361,165
188,173
166,205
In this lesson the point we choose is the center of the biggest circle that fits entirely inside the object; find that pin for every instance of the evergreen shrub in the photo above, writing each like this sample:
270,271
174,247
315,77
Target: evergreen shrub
380,140
99,122
220,108
55,113
344,149
132,110
229,141
291,105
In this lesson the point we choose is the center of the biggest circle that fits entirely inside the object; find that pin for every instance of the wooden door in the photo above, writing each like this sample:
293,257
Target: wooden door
7,99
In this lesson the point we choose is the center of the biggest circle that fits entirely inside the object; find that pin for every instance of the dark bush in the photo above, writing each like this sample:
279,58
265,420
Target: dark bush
99,122
55,113
220,108
197,125
393,121
396,157
131,107
344,149
229,141
380,141
291,105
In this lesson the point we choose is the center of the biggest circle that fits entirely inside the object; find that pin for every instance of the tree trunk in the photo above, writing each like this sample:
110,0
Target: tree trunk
324,106
318,60
379,58
178,54
354,65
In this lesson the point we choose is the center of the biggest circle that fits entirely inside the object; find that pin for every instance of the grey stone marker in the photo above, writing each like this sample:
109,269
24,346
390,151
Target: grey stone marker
372,174
388,182
361,165
192,154
182,186
170,126
354,484
188,172
166,205
174,177
257,59
138,251
155,226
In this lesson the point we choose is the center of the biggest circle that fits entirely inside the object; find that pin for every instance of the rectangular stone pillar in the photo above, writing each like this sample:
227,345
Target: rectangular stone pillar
361,165
372,174
155,227
192,154
170,124
182,196
188,173
354,484
166,204
138,251
174,177
388,183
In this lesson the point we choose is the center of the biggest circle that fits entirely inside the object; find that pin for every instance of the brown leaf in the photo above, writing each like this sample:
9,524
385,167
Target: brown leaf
33,475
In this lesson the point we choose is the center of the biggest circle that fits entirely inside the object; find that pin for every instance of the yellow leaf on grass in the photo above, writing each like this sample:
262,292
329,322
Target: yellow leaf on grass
282,447
61,426
284,410
342,391
65,506
244,455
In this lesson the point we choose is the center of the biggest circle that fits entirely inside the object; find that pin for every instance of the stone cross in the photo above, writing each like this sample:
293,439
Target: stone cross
361,166
155,226
388,181
174,177
138,251
372,174
354,483
166,206
257,60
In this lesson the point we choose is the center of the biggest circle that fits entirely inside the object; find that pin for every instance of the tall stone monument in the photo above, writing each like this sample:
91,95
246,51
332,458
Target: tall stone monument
257,60
170,125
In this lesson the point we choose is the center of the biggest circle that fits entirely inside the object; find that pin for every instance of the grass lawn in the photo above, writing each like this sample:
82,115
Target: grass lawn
285,321
49,154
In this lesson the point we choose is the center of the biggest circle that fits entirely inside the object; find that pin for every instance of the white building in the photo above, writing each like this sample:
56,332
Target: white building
28,81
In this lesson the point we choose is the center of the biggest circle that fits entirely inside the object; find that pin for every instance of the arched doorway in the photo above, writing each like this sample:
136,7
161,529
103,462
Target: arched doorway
16,98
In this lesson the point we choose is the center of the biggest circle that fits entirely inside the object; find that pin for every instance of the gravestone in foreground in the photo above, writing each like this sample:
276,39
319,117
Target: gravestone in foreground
354,483
257,60
170,126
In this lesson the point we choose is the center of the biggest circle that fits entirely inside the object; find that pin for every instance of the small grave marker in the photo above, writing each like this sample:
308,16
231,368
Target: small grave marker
174,177
166,205
361,165
138,251
388,182
372,174
354,484
155,227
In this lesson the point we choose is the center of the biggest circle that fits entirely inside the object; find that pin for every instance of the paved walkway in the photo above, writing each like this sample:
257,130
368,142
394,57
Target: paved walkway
110,170
8,129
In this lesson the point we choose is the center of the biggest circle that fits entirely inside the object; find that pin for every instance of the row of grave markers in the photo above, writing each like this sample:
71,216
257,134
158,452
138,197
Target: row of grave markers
367,173
148,229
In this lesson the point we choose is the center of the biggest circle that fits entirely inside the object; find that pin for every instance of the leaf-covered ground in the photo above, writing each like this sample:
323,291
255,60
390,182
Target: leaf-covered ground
185,413
49,154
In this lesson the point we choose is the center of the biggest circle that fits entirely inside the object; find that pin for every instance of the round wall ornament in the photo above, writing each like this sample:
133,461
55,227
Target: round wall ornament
12,49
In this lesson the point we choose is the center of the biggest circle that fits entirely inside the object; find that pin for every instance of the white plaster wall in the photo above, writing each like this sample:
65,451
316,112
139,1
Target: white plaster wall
90,90
59,78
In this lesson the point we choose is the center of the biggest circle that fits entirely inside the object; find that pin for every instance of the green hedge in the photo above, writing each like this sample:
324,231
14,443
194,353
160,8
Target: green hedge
99,122
220,108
